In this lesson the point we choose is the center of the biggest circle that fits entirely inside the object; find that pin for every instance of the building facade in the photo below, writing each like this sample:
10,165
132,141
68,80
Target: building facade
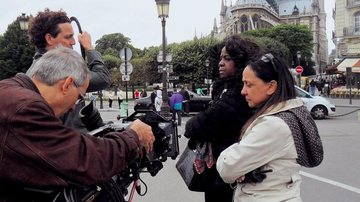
247,15
346,35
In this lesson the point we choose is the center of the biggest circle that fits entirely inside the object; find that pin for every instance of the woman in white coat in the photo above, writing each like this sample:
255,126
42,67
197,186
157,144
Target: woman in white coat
158,100
280,138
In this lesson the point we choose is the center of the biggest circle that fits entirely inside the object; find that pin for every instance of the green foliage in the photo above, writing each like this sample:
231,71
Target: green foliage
276,47
295,38
115,41
16,52
111,44
111,61
189,59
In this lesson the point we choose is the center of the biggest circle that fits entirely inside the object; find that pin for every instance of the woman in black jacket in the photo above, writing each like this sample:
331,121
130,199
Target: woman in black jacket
221,123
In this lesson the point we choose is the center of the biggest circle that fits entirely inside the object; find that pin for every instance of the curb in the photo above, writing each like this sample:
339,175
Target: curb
349,106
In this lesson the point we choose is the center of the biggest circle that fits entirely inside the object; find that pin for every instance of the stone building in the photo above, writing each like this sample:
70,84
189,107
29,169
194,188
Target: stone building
346,36
243,15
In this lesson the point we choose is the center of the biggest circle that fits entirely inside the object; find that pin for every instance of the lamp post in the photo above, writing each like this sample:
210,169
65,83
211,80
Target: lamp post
24,22
163,13
298,54
207,62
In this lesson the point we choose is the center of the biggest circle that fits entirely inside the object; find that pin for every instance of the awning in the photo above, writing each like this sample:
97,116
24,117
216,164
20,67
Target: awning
354,63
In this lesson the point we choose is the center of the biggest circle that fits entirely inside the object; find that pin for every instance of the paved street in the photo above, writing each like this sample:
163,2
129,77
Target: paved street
336,179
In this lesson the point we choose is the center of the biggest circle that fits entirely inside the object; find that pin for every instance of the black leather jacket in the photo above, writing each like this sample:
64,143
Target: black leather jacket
222,121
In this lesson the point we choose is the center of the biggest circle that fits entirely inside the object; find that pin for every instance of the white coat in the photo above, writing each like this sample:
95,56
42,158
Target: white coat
158,100
267,142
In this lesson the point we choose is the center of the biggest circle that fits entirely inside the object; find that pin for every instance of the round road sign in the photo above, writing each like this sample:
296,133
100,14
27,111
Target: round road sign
299,69
128,70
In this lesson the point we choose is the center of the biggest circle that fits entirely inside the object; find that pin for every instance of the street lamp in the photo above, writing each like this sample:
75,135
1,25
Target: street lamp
24,22
163,13
298,54
207,62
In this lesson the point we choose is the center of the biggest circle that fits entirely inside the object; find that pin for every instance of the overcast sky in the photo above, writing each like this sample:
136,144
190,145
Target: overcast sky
136,19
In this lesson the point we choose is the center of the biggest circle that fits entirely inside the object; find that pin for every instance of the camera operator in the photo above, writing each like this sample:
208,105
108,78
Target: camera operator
47,30
37,150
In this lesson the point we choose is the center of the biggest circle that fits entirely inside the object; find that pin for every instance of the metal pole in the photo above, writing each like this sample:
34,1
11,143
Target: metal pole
126,83
207,79
299,80
350,84
165,108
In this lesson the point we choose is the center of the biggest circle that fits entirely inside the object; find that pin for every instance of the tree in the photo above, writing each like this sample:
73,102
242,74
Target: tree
113,43
189,59
276,47
295,38
16,52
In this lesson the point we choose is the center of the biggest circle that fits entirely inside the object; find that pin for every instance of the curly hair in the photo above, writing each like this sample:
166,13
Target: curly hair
242,50
45,22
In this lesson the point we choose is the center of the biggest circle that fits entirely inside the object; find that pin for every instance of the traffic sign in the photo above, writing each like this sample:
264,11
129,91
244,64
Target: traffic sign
125,54
125,77
173,77
128,70
299,69
168,57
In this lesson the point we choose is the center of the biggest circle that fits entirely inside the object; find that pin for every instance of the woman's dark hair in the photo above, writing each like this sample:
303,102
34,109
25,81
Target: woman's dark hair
242,50
45,22
272,68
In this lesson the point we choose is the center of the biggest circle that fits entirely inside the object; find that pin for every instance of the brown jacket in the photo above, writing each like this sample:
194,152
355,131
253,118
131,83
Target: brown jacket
37,149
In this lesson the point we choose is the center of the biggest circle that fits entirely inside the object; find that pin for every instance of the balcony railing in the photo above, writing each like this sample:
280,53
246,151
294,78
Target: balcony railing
351,31
353,3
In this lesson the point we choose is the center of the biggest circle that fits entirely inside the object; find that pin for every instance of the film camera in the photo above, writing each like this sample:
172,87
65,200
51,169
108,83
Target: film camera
166,146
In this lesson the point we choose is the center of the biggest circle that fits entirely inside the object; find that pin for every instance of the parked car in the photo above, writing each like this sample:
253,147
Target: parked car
319,106
197,102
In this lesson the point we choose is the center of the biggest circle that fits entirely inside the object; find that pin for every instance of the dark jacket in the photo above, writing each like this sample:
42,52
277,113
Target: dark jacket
100,80
222,121
38,150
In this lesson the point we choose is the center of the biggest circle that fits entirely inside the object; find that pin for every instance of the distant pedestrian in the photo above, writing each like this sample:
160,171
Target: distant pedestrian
110,98
312,87
176,100
143,93
186,100
153,94
158,101
199,91
119,98
137,94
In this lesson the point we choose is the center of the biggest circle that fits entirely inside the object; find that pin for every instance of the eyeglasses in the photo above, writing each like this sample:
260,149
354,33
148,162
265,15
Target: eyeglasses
268,57
81,98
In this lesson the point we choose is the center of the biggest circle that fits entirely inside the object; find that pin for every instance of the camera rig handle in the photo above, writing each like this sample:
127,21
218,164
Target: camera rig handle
80,31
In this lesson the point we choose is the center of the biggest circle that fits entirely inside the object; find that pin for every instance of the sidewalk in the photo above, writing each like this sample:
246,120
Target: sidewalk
344,102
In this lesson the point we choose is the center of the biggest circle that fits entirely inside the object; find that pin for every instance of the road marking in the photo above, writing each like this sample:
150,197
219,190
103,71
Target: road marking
332,182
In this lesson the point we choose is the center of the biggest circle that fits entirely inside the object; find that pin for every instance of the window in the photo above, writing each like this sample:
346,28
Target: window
244,23
256,21
357,22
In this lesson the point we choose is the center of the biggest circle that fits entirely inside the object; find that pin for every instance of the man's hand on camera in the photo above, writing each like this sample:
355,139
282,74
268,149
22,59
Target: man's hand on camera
144,133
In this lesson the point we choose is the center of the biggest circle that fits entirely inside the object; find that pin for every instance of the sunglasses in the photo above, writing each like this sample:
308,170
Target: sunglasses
269,58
